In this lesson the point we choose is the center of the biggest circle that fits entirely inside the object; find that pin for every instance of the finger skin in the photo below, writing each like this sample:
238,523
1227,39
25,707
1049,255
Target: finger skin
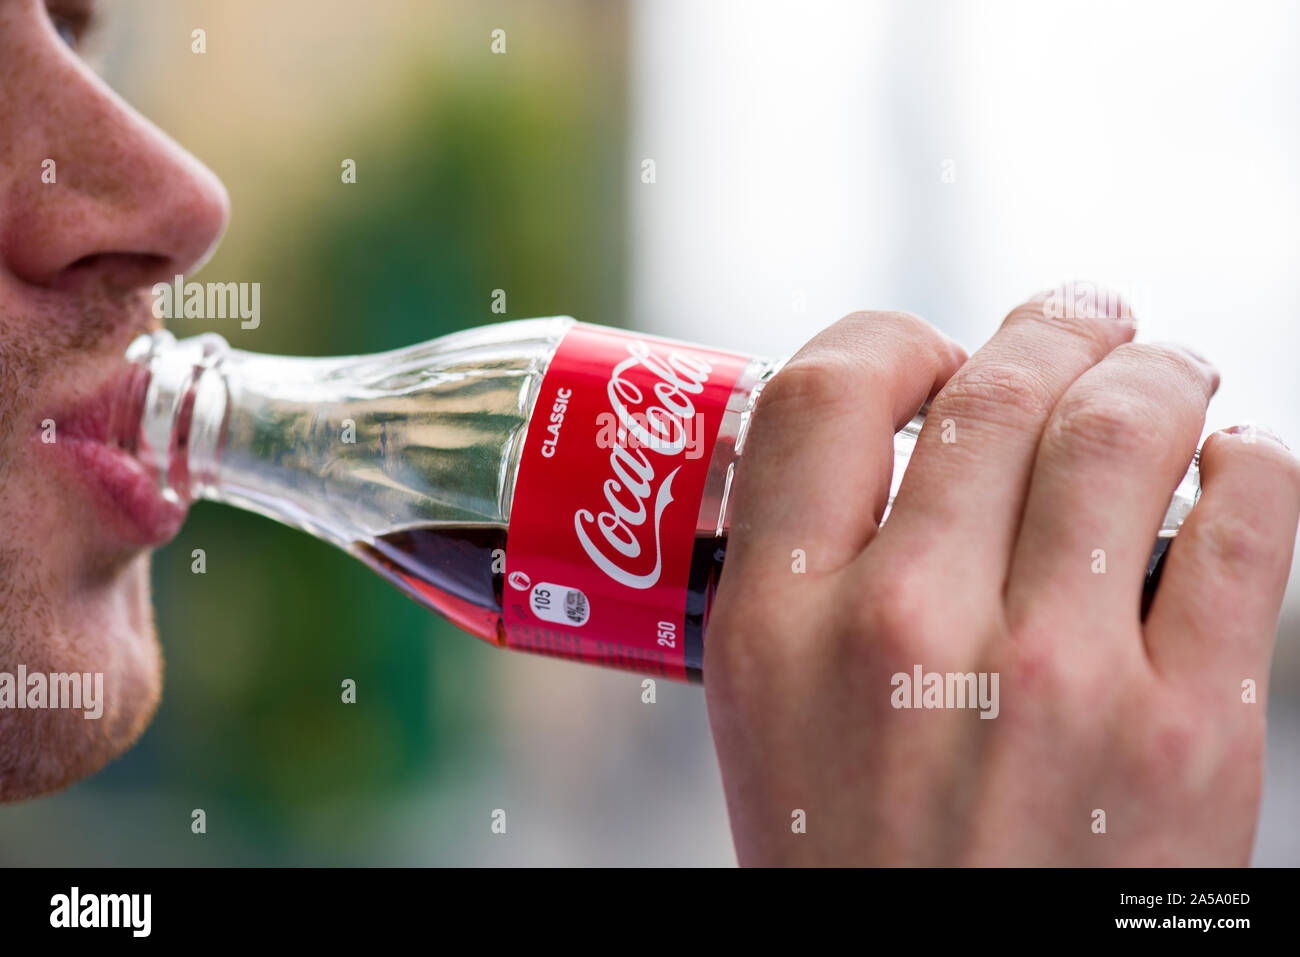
821,763
1116,446
1214,617
967,482
819,455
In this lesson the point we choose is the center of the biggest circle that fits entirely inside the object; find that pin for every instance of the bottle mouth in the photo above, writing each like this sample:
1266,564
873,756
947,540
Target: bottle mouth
124,404
155,422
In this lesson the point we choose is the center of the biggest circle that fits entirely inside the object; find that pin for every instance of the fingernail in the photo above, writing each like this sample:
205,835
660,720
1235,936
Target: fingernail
1250,433
1079,299
1194,354
1197,358
1209,366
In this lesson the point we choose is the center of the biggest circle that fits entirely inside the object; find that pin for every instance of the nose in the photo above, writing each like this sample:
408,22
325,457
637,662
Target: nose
98,194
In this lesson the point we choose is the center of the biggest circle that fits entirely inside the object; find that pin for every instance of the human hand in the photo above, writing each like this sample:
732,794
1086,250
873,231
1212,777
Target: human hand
1066,439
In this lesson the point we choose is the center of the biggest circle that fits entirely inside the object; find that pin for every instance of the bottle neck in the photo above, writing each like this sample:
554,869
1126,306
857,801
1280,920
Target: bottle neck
241,428
184,403
350,447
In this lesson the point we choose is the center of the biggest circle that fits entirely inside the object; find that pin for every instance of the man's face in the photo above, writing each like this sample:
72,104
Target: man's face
82,238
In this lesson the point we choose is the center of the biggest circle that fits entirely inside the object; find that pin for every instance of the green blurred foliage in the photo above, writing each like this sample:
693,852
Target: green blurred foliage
510,178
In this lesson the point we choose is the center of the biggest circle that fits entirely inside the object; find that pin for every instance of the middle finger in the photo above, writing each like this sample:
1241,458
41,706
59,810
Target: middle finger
963,495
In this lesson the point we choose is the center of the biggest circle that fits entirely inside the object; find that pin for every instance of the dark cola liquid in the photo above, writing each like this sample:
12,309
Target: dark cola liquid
453,569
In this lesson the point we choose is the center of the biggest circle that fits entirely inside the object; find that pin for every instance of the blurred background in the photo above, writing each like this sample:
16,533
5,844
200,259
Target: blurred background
948,158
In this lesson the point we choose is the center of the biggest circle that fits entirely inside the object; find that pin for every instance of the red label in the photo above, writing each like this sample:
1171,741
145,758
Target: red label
607,498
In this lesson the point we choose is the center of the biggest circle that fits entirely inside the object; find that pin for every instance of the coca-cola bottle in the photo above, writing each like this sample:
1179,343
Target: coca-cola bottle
547,485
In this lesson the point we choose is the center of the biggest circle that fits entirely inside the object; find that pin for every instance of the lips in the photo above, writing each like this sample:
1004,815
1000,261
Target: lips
95,440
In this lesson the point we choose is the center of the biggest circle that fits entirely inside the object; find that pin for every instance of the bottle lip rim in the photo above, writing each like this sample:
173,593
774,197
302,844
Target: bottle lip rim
205,346
144,347
166,373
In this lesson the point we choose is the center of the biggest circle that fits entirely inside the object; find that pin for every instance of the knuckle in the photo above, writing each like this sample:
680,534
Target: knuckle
995,391
812,383
887,613
1093,333
1161,362
907,324
747,641
1038,668
1268,458
1112,424
903,321
1168,745
892,619
862,334
1044,670
1038,672
1235,544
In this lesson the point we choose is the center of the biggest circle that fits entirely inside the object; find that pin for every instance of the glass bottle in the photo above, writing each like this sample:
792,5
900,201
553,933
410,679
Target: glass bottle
410,460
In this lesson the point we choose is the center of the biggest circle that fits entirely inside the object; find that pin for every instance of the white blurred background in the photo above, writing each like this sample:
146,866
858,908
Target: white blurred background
950,157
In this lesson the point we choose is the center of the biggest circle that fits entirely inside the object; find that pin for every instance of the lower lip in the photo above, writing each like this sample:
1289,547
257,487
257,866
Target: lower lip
129,501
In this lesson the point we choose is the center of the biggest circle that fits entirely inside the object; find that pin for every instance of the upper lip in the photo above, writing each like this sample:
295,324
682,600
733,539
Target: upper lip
110,414
98,434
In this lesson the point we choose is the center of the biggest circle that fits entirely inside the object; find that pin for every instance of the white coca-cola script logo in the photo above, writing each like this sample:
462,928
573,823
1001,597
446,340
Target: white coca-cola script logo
661,428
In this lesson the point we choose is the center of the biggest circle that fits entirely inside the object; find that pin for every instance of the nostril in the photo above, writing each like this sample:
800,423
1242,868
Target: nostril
121,270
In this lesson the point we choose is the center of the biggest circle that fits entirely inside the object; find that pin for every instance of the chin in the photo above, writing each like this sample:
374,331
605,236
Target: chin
99,622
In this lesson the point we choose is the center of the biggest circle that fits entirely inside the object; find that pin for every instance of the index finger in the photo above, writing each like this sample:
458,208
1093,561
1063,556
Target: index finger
818,459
